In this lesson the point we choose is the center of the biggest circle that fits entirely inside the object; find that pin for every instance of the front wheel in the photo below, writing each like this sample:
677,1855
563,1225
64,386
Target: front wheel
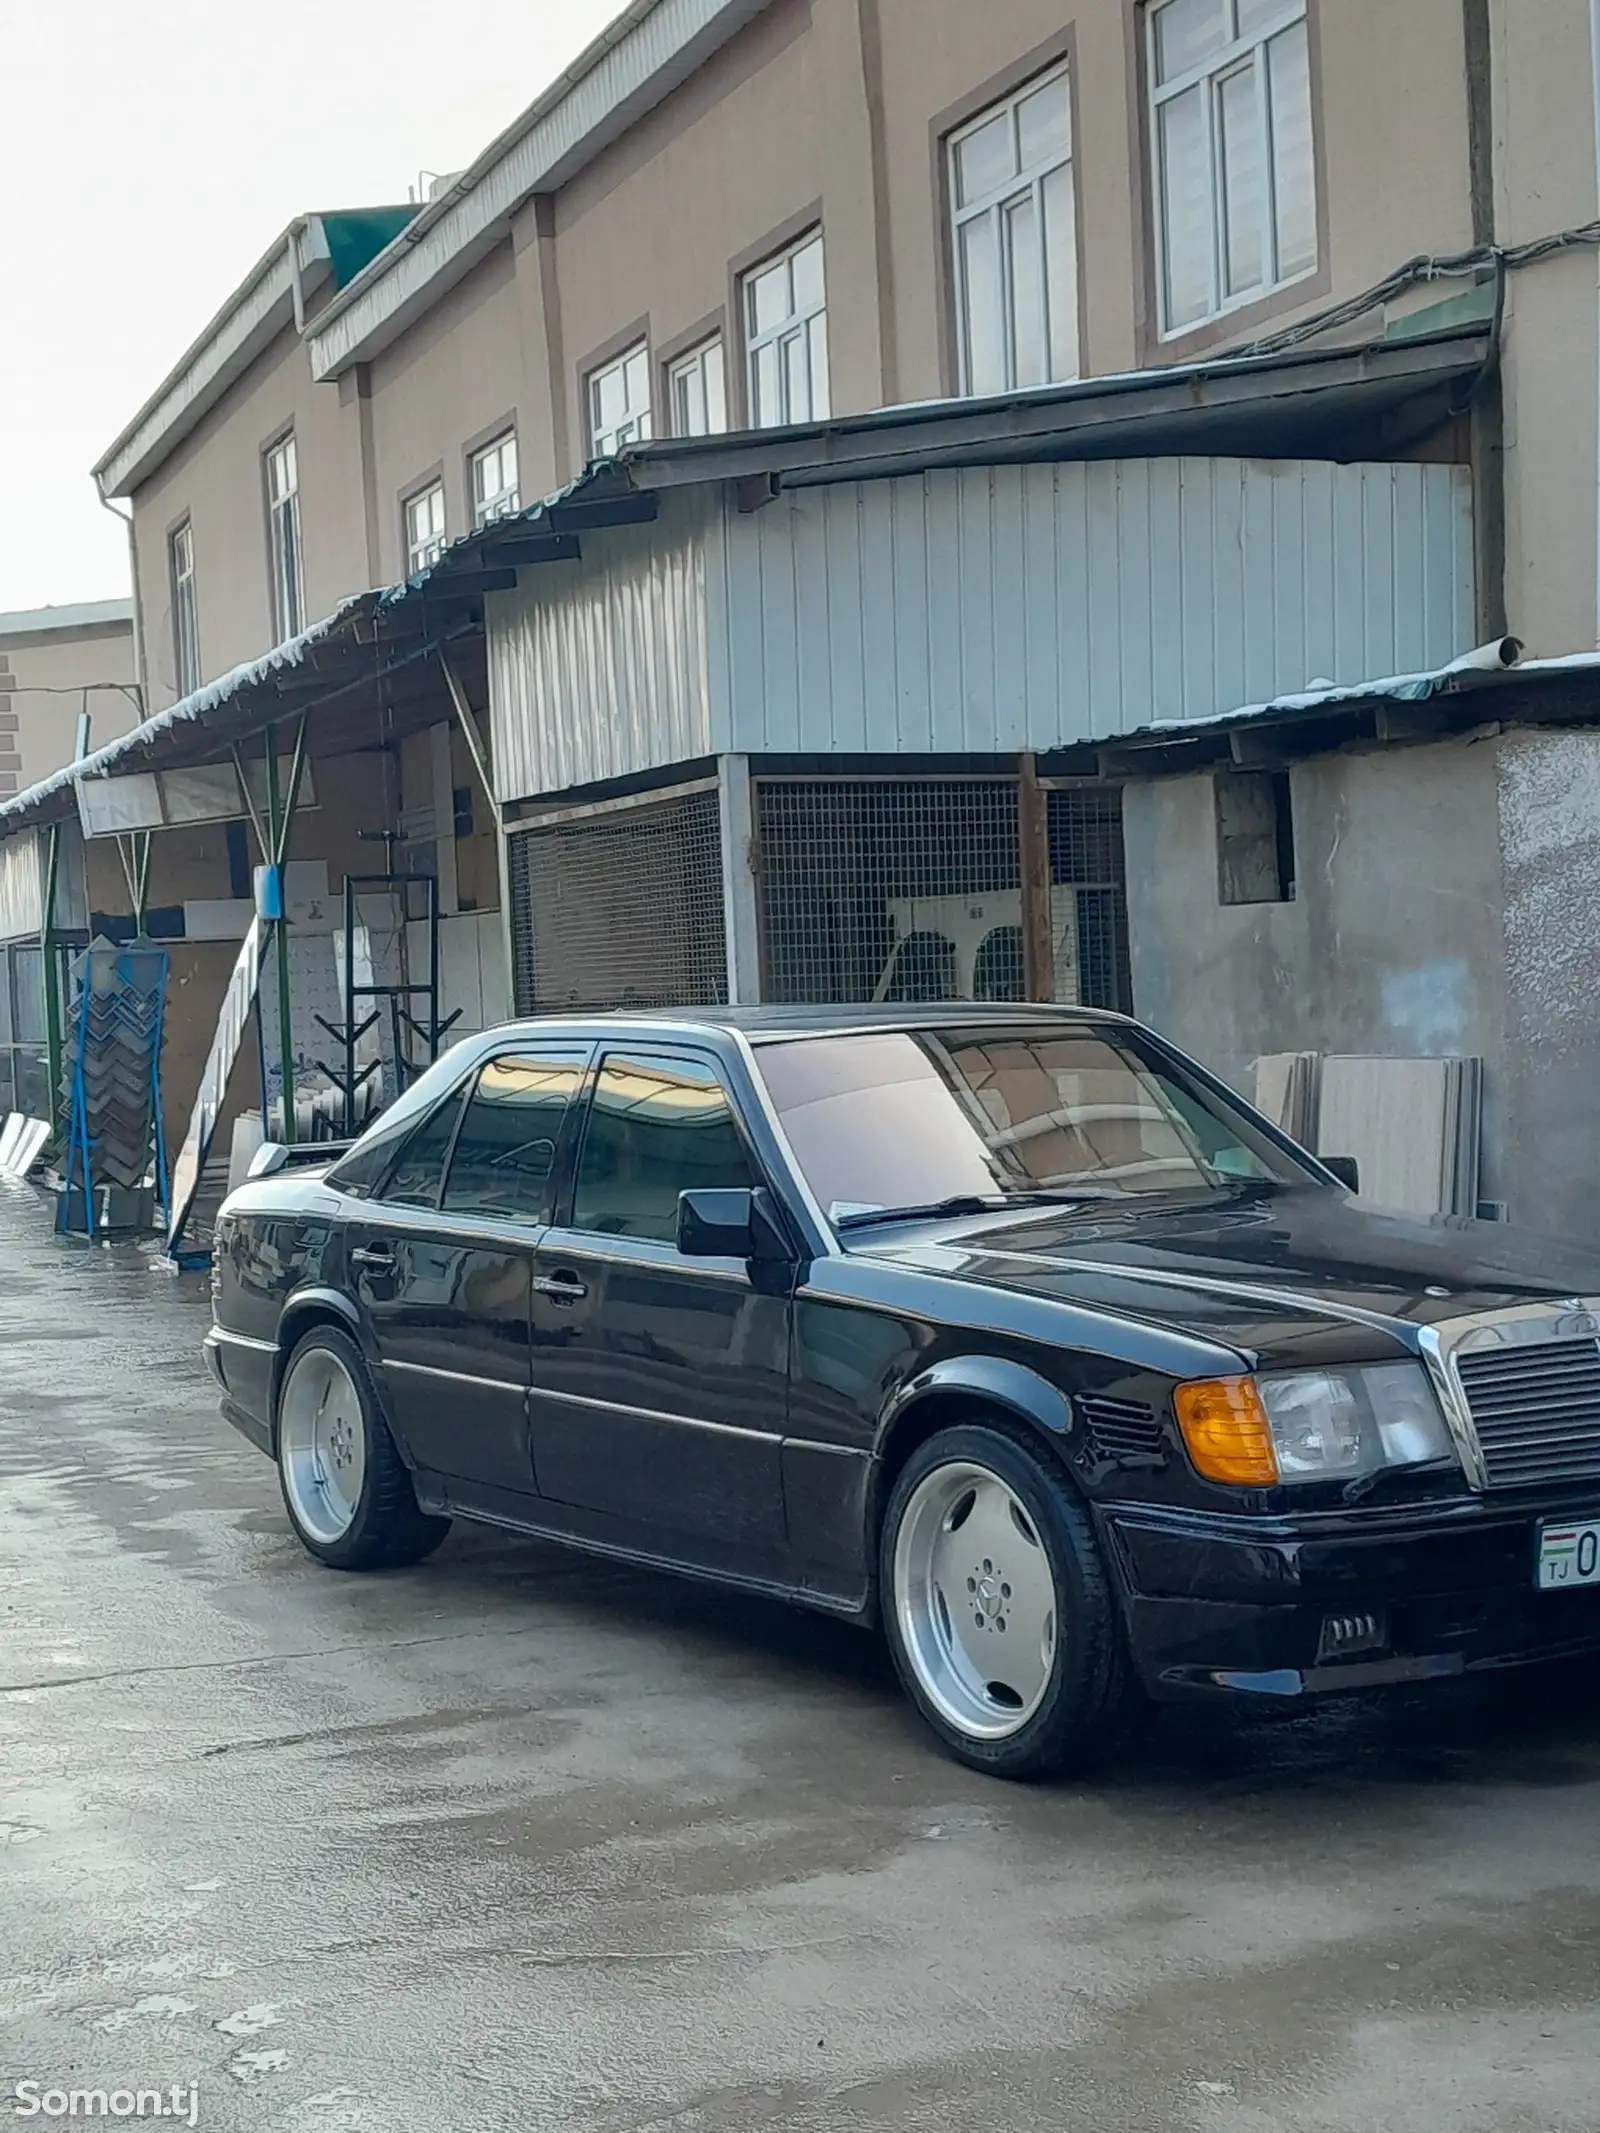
997,1606
345,1486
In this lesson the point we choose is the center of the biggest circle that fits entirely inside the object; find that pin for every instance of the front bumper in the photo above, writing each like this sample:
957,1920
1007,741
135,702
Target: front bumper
1221,1603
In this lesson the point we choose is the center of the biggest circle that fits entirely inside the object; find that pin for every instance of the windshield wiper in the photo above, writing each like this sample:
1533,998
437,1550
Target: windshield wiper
972,1203
961,1203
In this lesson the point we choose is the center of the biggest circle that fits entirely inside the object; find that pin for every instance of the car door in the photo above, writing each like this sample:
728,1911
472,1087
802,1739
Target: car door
660,1383
441,1264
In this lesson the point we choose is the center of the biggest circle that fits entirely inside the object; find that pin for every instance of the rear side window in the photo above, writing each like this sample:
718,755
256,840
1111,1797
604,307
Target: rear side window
657,1127
505,1156
362,1172
414,1180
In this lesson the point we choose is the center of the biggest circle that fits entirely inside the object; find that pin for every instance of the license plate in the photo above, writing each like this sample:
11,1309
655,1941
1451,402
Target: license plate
1568,1555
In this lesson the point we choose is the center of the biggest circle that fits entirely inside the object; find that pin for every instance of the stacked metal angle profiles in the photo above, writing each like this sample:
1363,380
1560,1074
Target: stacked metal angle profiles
111,1063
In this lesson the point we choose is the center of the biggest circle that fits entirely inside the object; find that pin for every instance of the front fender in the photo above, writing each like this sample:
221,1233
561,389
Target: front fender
993,1379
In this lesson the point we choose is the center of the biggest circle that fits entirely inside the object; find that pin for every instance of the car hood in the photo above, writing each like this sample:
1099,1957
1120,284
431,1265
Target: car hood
1278,1276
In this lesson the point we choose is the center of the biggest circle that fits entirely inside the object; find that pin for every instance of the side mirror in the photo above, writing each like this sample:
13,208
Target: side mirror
1345,1168
724,1224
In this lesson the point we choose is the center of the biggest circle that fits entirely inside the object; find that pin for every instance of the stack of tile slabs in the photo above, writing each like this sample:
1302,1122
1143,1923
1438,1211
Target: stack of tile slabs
1411,1124
113,1033
21,1144
1286,1090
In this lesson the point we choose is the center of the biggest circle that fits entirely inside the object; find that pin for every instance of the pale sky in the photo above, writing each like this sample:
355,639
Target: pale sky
150,150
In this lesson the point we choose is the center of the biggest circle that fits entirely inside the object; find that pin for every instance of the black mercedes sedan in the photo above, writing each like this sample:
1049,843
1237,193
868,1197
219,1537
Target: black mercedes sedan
1010,1330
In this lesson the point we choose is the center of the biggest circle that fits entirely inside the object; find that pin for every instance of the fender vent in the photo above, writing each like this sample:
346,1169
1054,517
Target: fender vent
1120,1429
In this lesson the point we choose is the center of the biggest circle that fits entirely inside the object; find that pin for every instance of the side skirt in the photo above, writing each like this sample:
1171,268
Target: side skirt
433,1496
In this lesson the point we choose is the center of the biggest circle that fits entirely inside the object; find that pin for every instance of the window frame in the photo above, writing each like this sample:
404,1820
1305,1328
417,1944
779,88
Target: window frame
1277,291
457,1098
795,326
1005,102
419,558
685,362
286,567
284,564
186,668
643,1047
638,424
507,500
577,1053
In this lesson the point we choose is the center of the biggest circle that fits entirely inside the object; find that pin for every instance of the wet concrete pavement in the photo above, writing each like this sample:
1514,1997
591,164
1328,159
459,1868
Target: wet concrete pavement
515,1841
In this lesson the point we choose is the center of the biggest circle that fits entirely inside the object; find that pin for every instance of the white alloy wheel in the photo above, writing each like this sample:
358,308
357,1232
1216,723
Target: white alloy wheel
322,1444
975,1601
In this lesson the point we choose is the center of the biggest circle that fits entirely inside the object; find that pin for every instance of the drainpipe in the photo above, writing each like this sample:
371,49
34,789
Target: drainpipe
1487,415
1594,56
140,678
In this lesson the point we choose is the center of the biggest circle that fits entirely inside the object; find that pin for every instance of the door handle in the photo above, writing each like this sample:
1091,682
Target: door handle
379,1257
565,1288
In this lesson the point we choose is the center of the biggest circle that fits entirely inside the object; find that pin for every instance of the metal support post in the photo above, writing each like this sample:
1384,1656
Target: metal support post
1033,855
280,815
51,971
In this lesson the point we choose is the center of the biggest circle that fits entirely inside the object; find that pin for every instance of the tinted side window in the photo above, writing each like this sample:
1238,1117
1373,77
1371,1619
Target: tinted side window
657,1127
362,1170
505,1158
414,1181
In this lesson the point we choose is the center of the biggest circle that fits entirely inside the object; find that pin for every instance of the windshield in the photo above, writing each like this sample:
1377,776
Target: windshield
912,1118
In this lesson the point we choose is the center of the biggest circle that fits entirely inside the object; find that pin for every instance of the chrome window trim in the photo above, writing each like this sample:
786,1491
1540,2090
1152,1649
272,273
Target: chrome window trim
799,1182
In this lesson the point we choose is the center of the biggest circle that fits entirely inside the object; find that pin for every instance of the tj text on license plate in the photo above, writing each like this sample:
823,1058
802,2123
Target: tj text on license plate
1568,1555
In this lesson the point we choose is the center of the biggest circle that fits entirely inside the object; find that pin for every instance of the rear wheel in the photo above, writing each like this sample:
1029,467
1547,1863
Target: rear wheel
345,1486
998,1609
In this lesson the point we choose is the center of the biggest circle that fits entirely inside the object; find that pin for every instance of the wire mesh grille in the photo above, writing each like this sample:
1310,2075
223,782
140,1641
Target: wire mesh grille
1086,853
889,889
622,910
910,889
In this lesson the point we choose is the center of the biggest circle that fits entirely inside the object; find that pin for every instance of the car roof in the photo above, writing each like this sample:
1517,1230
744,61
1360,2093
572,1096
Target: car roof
769,1025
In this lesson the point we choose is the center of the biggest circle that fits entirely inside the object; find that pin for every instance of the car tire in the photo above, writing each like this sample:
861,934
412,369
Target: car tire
345,1487
997,1606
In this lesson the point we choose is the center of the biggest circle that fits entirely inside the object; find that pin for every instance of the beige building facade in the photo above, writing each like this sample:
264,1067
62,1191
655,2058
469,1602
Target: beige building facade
56,665
735,214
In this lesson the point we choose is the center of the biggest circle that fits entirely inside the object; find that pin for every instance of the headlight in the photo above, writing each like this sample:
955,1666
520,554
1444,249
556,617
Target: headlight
1313,1425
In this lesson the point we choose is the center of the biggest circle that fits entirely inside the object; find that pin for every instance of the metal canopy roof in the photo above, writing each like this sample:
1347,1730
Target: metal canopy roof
1371,402
1462,697
370,671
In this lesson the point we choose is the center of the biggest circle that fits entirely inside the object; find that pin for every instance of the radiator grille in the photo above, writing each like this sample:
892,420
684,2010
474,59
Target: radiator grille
1536,1409
1121,1429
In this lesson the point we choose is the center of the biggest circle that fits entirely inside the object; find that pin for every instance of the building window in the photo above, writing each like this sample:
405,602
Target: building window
619,403
697,391
494,480
1015,241
425,534
283,530
1233,175
185,615
786,337
1255,837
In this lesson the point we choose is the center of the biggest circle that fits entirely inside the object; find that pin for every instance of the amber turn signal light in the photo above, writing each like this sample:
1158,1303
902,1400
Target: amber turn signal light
1225,1427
